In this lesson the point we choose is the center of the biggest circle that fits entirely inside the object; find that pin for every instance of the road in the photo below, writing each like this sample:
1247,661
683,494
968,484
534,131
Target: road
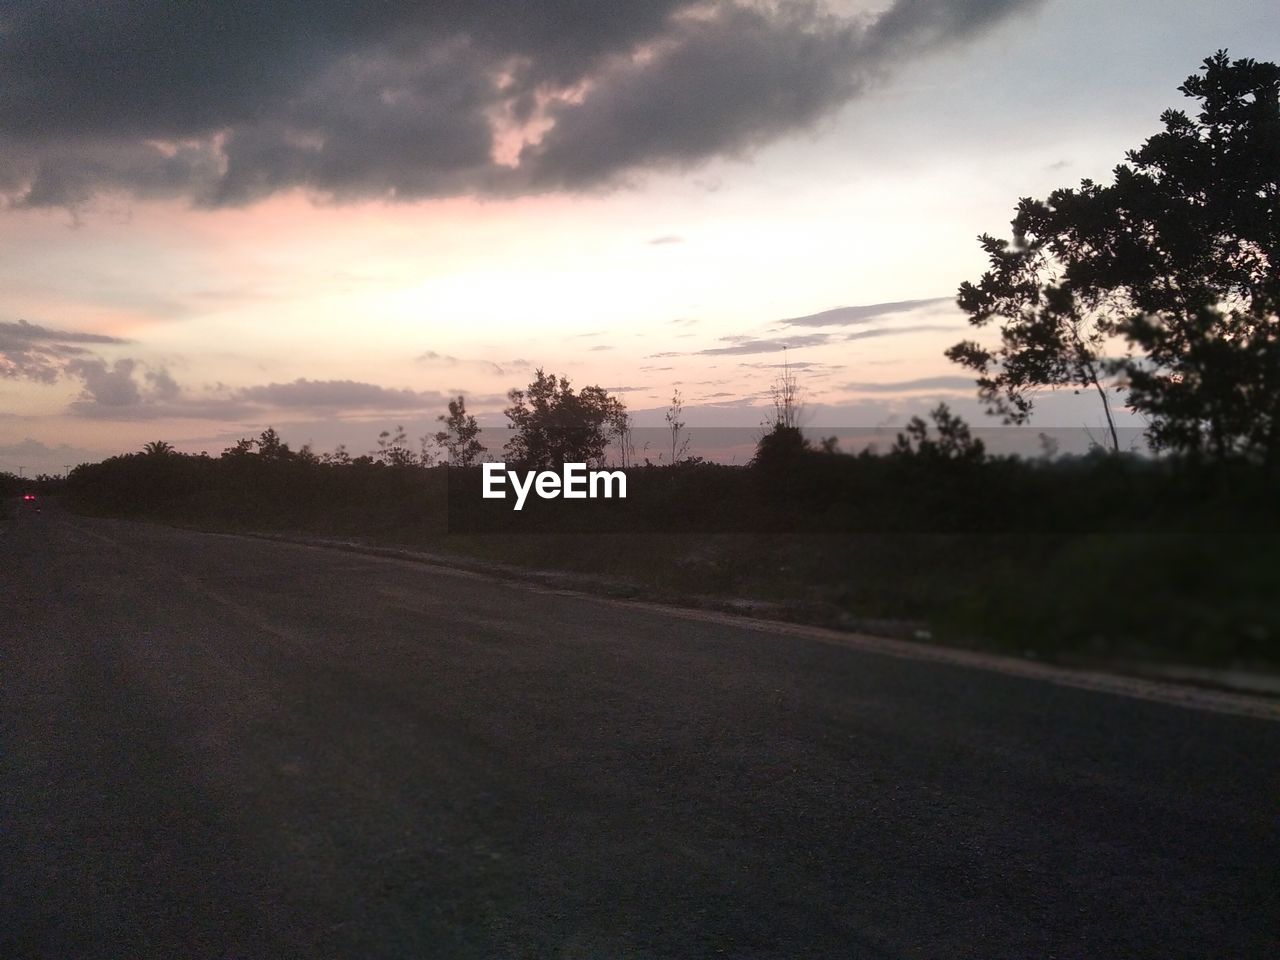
226,747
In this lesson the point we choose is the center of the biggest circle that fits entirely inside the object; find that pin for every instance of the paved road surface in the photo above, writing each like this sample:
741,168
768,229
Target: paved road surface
223,747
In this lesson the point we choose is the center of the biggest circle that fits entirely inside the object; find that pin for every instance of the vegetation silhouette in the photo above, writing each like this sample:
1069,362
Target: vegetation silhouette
460,436
555,425
1175,265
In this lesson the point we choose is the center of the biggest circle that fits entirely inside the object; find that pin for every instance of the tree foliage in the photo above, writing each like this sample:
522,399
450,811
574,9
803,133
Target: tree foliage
394,450
676,425
460,436
1173,267
554,425
954,440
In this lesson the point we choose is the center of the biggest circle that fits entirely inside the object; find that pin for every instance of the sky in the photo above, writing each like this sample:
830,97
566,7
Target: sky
329,217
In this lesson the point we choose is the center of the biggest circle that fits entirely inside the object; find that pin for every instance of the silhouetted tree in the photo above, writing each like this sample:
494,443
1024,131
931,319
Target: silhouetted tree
676,424
338,458
460,436
157,448
954,442
1174,263
393,449
786,398
271,447
626,442
555,425
780,447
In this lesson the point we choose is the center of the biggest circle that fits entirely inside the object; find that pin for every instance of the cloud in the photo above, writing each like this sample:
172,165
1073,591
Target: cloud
108,386
739,346
338,394
225,104
898,331
912,386
744,345
432,356
507,366
127,389
867,313
793,365
665,240
29,351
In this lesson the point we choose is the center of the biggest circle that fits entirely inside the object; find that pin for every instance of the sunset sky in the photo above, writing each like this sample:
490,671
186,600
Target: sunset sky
331,216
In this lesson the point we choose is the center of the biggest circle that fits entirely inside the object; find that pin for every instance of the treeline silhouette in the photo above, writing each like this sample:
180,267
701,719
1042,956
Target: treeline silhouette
936,478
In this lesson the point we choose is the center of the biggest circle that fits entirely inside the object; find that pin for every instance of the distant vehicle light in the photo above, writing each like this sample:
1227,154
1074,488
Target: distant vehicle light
28,496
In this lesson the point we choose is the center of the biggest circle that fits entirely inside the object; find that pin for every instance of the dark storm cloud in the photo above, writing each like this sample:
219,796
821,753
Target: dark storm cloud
866,313
910,26
723,83
29,351
226,103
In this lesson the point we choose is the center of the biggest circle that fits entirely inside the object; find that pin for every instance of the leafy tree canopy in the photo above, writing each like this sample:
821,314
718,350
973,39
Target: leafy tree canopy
554,425
460,436
1166,279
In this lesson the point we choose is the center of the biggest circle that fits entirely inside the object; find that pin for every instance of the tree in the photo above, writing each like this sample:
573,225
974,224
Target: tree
460,435
784,442
393,449
676,424
158,448
954,442
780,448
1050,336
339,458
554,425
785,391
1173,266
626,442
271,447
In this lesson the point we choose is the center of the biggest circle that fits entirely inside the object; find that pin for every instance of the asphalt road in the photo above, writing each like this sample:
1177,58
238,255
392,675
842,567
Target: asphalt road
224,747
